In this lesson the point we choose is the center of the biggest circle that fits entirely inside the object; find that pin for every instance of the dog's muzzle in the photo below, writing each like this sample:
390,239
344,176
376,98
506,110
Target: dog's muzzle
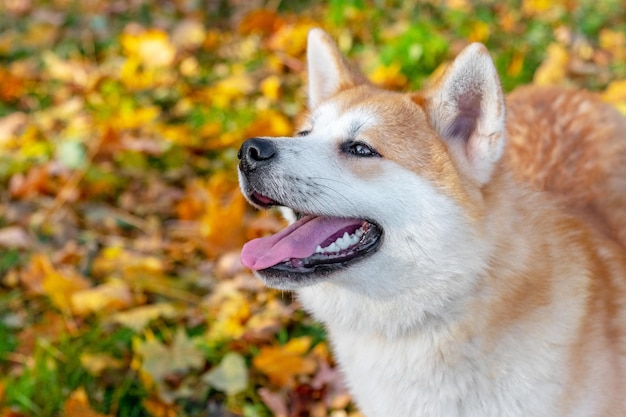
255,153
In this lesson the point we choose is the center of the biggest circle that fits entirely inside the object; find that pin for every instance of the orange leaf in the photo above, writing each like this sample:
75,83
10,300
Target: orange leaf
269,123
58,285
260,21
111,296
218,206
282,363
33,183
77,405
157,408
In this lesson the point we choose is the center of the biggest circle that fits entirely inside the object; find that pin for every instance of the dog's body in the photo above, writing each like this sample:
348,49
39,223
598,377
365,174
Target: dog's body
467,278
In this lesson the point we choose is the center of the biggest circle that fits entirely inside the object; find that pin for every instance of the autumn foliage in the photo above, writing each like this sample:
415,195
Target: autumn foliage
121,291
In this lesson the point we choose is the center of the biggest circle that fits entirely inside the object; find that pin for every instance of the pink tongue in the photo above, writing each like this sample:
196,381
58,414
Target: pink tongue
296,241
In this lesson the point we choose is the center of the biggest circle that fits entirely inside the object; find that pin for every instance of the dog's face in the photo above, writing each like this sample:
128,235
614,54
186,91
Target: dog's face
362,192
384,205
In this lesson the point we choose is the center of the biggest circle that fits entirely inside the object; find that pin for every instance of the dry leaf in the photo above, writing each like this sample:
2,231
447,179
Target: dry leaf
14,237
139,317
269,123
282,363
230,376
616,95
96,363
554,68
158,360
274,401
77,405
151,47
111,296
58,284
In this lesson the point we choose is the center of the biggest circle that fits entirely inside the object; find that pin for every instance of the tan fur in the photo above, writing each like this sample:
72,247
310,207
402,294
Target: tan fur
549,217
572,147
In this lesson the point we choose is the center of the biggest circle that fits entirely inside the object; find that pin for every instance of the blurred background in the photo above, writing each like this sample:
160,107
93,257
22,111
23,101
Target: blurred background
121,292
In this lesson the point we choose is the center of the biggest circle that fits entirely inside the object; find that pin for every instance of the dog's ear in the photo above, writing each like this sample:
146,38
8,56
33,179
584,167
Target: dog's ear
466,108
328,70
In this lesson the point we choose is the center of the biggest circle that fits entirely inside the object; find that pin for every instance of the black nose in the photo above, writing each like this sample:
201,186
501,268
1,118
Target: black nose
256,152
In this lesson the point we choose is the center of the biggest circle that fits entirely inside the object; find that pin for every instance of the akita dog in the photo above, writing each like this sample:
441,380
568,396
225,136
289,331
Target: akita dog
466,253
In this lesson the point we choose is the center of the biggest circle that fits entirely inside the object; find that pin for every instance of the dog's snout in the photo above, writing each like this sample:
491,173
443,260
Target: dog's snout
256,152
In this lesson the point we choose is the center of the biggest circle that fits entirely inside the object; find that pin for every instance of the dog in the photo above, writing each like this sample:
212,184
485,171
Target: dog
465,251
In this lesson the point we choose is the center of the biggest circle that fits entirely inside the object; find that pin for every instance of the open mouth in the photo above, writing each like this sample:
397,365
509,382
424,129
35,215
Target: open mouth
310,245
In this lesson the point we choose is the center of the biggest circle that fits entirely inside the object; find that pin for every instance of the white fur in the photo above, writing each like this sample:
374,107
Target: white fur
403,321
473,72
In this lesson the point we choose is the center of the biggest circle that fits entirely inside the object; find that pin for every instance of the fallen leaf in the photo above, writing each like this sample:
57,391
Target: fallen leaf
77,405
262,21
188,34
616,95
138,318
111,296
36,181
274,401
14,237
157,408
58,284
554,68
230,376
269,123
158,360
152,47
389,76
282,363
96,363
11,124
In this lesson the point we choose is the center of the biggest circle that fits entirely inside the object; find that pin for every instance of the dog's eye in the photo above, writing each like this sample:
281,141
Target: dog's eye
303,132
359,149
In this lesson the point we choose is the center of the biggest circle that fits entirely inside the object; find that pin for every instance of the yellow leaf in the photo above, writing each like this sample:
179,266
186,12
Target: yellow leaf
270,87
58,285
291,38
111,296
613,41
516,65
479,32
389,76
281,364
616,95
139,317
97,363
231,315
554,68
152,47
229,88
538,7
66,71
269,123
116,260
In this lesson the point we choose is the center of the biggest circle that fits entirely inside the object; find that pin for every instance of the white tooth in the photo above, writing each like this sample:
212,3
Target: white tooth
344,242
359,232
319,249
333,247
354,240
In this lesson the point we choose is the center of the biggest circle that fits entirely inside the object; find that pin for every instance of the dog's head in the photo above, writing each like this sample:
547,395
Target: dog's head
385,187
